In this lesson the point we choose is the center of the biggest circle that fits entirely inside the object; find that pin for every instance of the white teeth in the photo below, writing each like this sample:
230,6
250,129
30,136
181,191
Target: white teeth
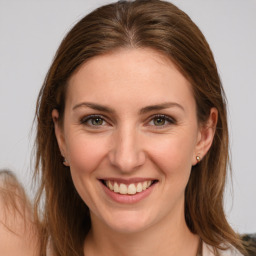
110,185
144,185
139,187
123,189
130,189
116,187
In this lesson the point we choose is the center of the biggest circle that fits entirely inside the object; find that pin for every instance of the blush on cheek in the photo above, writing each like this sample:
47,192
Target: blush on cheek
172,156
85,157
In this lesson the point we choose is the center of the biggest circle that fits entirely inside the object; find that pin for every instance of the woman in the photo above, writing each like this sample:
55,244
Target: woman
132,139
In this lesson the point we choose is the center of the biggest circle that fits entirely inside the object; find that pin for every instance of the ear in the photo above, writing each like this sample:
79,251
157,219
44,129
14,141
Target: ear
59,135
205,136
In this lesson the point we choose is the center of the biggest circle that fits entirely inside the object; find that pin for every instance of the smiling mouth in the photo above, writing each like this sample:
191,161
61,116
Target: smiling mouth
128,189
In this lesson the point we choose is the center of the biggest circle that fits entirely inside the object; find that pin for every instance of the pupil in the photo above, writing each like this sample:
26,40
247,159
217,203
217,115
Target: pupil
159,121
97,121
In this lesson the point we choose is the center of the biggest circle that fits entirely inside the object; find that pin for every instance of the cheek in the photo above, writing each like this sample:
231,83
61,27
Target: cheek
173,154
85,153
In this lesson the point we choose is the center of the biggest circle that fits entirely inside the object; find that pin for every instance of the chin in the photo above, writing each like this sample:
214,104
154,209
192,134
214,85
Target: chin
128,223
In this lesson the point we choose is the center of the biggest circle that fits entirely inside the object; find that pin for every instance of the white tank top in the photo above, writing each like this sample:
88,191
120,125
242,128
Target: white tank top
207,250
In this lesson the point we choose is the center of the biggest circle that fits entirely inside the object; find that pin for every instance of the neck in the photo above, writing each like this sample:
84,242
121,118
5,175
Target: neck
160,239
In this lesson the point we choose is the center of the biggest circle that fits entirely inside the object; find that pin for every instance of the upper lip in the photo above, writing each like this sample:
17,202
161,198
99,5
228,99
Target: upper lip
127,181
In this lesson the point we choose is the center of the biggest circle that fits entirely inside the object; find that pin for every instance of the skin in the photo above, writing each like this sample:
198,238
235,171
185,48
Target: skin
18,232
131,142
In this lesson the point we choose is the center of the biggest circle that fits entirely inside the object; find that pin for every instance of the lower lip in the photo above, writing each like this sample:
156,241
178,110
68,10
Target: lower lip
128,199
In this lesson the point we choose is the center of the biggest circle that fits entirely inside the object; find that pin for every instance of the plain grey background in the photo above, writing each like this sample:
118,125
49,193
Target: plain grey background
30,32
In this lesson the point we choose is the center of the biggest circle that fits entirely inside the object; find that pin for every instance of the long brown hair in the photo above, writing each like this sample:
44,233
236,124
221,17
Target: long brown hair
132,24
16,217
14,201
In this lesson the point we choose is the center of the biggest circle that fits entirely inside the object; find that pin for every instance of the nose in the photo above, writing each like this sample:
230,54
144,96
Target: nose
126,152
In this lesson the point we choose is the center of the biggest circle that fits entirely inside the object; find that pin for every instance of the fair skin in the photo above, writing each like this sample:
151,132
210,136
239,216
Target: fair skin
130,118
18,233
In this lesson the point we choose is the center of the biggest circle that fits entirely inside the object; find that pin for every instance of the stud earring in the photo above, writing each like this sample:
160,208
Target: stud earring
198,159
65,162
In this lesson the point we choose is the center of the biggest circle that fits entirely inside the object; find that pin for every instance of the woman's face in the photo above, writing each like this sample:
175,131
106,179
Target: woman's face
130,136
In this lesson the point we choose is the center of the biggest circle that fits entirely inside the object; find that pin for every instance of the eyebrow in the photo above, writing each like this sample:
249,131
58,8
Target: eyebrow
141,112
160,107
94,106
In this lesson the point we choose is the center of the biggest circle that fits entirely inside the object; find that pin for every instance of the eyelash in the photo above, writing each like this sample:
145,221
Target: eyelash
165,118
86,119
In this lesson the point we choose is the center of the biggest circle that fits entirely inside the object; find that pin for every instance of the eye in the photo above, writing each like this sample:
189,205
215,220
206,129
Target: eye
161,121
93,120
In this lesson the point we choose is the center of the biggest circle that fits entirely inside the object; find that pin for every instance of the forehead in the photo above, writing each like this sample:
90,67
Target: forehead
143,74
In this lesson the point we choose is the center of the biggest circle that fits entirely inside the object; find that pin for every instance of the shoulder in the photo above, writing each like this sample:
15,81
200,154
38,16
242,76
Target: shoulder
207,250
18,233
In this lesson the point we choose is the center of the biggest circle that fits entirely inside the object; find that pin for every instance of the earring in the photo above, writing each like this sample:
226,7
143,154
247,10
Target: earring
198,159
65,162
